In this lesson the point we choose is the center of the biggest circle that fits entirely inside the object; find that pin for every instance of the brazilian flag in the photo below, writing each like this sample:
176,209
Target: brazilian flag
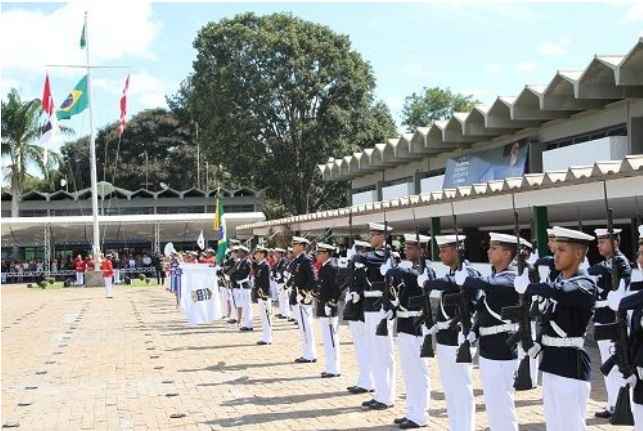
76,102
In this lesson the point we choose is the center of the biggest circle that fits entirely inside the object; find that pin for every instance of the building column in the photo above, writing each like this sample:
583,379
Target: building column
417,186
435,230
157,239
541,223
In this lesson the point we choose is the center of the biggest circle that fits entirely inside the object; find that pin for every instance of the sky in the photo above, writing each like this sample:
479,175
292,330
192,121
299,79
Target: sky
478,47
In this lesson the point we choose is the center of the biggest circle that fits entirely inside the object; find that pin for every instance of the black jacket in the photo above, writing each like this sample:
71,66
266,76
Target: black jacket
302,278
262,280
328,290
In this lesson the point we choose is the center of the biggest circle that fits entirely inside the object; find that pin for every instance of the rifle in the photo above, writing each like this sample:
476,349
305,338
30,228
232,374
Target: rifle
351,311
521,313
617,332
615,273
462,302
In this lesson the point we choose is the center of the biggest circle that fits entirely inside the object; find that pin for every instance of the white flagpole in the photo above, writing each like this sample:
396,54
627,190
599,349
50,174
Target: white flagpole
92,153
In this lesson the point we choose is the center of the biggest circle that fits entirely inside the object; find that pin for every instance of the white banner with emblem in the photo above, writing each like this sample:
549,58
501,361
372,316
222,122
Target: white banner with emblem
200,299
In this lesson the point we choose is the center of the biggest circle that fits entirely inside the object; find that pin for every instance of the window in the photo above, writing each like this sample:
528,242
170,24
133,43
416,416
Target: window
618,130
179,210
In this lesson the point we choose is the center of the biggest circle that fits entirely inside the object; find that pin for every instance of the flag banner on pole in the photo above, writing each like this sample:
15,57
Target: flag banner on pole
83,37
123,106
201,241
49,129
76,102
219,227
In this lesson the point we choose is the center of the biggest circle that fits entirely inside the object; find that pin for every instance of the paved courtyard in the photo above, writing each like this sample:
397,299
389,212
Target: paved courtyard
73,360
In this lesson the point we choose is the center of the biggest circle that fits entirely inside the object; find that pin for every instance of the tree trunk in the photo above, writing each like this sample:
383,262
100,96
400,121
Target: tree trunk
15,212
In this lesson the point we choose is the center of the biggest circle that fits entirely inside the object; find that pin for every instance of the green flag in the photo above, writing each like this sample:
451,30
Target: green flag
76,102
83,41
219,227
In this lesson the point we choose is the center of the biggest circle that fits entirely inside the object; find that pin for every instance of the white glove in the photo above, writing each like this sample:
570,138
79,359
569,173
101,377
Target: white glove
386,266
637,275
395,303
614,298
342,262
471,337
631,380
585,265
521,283
388,315
422,278
460,276
348,296
355,297
350,252
543,272
327,311
406,264
534,350
533,257
460,338
639,371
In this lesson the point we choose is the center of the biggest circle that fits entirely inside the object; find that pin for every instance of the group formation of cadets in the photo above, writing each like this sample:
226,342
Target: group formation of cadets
523,315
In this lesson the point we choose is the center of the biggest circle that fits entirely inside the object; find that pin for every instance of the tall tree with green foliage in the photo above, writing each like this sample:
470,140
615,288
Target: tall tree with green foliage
434,103
156,148
276,95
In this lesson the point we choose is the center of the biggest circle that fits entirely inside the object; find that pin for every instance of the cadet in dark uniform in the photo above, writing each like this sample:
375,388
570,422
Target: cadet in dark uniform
357,268
380,348
278,276
498,362
241,288
262,294
570,303
548,261
602,271
328,292
415,370
302,281
456,377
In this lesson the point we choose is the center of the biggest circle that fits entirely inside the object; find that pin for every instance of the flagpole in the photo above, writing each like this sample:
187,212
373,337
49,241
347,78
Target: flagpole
92,153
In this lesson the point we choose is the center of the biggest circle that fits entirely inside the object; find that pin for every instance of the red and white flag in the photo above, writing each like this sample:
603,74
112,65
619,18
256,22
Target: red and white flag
123,118
49,129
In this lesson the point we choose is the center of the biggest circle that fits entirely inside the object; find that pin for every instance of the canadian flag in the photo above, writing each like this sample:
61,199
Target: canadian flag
50,128
123,104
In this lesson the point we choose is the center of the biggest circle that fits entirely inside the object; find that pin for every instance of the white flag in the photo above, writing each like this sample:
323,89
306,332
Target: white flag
201,241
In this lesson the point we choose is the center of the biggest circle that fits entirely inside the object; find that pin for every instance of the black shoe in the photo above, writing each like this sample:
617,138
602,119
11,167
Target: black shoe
358,390
369,404
292,320
305,361
380,406
326,375
399,420
245,329
262,343
605,414
232,320
407,424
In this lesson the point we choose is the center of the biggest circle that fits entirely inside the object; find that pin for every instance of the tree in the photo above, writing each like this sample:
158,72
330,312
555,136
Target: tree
155,148
274,96
21,127
432,104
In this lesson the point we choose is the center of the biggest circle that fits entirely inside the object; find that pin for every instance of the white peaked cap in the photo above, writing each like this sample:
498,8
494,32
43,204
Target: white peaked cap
571,235
604,233
443,240
508,239
300,240
411,237
363,244
325,246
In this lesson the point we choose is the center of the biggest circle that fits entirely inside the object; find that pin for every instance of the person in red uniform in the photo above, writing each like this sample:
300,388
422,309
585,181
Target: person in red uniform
90,265
107,269
79,267
210,259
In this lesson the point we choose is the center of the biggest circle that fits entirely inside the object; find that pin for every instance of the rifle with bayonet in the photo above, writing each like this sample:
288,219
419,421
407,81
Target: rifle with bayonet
391,290
462,303
351,311
521,313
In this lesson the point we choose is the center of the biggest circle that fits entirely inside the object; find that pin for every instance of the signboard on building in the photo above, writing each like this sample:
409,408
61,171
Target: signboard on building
495,164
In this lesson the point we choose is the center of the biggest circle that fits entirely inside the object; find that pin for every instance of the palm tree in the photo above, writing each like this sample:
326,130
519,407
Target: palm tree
20,128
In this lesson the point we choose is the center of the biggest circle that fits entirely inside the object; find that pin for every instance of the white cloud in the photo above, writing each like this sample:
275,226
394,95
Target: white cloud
526,67
635,13
115,31
493,68
555,47
147,90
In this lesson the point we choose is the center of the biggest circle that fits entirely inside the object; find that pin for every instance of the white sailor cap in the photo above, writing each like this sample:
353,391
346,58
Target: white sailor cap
550,232
209,250
243,248
322,246
379,227
507,239
289,248
448,240
235,242
362,244
279,250
604,233
414,238
261,248
300,240
571,235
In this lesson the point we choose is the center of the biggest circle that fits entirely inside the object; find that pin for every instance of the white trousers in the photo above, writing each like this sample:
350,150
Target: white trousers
284,305
80,278
265,308
415,372
330,335
305,312
614,380
458,389
117,276
246,308
637,412
380,353
497,379
108,287
358,332
565,402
